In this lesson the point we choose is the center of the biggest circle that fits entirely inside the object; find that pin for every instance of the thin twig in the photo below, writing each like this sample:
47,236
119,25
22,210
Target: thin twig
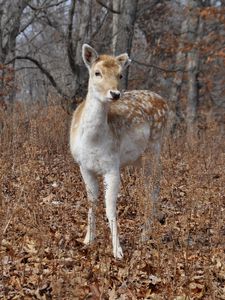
157,67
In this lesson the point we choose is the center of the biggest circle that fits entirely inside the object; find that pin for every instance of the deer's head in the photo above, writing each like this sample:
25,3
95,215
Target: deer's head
105,73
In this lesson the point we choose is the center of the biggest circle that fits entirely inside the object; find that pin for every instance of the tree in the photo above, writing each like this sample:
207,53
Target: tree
179,77
193,62
115,24
10,28
75,42
123,29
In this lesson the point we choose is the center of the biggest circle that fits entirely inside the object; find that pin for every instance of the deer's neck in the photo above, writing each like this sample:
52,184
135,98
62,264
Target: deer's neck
95,113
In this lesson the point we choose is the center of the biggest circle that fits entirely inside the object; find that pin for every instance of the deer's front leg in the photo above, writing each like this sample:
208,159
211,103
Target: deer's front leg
112,184
91,183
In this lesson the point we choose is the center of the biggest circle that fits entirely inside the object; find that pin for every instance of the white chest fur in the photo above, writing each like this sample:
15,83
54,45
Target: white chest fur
94,146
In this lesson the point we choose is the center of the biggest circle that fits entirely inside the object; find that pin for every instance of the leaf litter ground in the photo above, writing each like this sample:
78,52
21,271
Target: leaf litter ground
43,217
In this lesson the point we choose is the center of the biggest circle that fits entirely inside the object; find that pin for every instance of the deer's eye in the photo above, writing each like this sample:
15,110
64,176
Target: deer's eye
97,73
121,76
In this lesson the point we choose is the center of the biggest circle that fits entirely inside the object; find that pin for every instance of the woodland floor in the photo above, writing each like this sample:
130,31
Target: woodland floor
43,215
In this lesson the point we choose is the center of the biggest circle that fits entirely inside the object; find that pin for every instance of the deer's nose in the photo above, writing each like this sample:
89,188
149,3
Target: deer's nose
115,95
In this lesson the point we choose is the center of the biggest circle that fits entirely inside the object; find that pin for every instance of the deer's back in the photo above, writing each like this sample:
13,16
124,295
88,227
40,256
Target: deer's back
136,108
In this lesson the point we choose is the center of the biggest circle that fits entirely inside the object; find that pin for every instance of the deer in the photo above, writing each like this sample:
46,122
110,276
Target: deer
109,131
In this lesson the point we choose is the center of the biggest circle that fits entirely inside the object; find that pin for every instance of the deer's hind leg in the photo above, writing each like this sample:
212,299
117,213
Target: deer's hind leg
152,172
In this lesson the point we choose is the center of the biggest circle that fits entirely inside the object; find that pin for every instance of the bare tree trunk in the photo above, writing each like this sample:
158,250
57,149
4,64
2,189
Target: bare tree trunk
74,44
10,17
115,25
178,79
195,33
82,36
125,32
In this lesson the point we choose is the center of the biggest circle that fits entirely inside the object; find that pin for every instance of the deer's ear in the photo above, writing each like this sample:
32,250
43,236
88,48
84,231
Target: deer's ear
123,60
89,55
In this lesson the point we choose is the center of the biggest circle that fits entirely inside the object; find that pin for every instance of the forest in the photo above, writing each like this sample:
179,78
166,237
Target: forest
177,48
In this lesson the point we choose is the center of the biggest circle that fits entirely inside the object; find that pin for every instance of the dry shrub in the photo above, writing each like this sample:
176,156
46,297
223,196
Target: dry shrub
43,216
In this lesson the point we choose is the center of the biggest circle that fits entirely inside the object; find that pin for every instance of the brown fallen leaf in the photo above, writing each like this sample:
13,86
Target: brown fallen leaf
30,246
95,293
112,293
197,290
48,198
182,297
154,279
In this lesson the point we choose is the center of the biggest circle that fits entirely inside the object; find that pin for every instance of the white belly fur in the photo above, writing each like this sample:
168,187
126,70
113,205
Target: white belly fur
133,144
102,155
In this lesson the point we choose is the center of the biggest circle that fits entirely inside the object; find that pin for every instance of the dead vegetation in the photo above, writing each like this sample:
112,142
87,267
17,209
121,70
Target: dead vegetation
43,212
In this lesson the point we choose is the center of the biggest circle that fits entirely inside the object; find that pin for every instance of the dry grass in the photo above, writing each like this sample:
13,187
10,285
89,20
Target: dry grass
43,216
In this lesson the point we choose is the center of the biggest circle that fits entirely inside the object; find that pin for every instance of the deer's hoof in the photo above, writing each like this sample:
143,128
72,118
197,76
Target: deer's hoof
118,254
88,239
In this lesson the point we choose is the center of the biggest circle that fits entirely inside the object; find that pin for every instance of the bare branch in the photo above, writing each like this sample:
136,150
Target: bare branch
146,7
100,25
28,23
14,28
157,67
43,70
70,48
25,68
44,7
108,8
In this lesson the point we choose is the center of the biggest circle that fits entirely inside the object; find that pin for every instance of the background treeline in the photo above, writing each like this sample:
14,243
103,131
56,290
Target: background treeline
177,48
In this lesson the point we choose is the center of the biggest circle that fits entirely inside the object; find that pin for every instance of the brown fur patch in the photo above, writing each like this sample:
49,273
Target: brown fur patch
138,107
107,61
77,117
